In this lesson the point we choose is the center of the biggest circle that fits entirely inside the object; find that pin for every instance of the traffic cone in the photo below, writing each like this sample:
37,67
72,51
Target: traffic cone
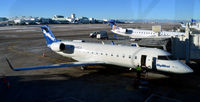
43,55
6,82
8,85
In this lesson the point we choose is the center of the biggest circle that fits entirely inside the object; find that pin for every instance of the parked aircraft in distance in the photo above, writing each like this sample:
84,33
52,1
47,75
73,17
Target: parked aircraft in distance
193,24
138,33
101,54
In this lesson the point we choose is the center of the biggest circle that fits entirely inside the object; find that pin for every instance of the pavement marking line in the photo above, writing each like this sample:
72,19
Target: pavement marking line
11,48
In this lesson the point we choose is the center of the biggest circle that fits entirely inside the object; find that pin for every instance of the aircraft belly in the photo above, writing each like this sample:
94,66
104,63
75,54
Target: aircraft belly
119,62
65,54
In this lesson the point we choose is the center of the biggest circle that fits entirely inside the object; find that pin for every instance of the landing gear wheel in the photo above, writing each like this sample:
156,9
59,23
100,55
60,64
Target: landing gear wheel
83,67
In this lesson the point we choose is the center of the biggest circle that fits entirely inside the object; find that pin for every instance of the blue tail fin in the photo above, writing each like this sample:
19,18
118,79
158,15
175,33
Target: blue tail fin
50,38
113,26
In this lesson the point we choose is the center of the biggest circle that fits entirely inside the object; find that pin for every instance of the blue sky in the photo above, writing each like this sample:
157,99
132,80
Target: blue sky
116,9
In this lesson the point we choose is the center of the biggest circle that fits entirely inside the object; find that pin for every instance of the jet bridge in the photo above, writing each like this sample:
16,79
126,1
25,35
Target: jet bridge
161,43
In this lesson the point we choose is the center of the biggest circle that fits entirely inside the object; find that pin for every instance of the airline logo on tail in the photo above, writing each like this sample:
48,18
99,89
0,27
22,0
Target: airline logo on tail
49,35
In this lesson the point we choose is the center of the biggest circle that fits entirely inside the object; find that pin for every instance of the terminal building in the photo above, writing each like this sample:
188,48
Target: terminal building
59,19
72,19
83,20
3,21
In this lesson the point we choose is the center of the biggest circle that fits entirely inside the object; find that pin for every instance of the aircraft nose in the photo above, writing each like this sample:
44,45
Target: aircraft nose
188,70
185,68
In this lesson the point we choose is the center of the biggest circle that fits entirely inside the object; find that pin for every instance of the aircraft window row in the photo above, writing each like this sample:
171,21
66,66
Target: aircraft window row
145,32
123,56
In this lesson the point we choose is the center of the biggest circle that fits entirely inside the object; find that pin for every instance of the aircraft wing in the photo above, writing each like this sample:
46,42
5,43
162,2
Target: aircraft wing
54,65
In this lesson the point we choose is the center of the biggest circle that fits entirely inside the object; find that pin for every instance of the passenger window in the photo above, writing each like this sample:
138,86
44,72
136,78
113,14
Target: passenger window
117,56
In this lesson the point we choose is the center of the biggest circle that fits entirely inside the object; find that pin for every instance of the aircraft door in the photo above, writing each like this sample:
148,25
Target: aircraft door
143,60
154,63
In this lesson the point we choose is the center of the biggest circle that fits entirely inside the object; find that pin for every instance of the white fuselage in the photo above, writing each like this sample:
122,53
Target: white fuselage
137,33
125,56
195,26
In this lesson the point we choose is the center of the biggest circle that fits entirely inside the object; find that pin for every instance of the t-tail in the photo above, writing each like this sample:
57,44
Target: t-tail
50,38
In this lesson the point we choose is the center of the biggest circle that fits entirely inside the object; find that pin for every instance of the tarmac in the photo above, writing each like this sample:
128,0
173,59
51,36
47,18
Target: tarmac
25,46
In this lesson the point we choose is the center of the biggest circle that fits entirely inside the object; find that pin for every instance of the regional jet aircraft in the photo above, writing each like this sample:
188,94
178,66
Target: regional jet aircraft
138,33
101,54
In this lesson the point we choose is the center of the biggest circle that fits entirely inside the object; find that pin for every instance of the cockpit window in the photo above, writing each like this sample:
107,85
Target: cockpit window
172,58
162,58
166,58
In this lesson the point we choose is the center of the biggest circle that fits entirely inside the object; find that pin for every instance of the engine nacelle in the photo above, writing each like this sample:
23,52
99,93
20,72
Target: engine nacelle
57,47
123,30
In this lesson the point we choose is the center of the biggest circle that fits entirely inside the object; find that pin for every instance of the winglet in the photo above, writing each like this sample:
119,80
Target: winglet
10,65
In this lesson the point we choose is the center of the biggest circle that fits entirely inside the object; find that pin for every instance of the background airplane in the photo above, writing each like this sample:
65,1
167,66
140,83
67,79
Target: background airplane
193,23
95,54
138,33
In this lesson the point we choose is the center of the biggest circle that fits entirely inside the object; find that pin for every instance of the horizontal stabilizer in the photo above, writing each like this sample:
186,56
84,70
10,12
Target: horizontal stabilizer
54,65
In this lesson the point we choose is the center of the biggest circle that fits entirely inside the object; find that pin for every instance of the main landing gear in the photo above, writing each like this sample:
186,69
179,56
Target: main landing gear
84,67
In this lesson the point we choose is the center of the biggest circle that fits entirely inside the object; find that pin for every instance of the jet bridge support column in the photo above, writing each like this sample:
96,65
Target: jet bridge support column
187,43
